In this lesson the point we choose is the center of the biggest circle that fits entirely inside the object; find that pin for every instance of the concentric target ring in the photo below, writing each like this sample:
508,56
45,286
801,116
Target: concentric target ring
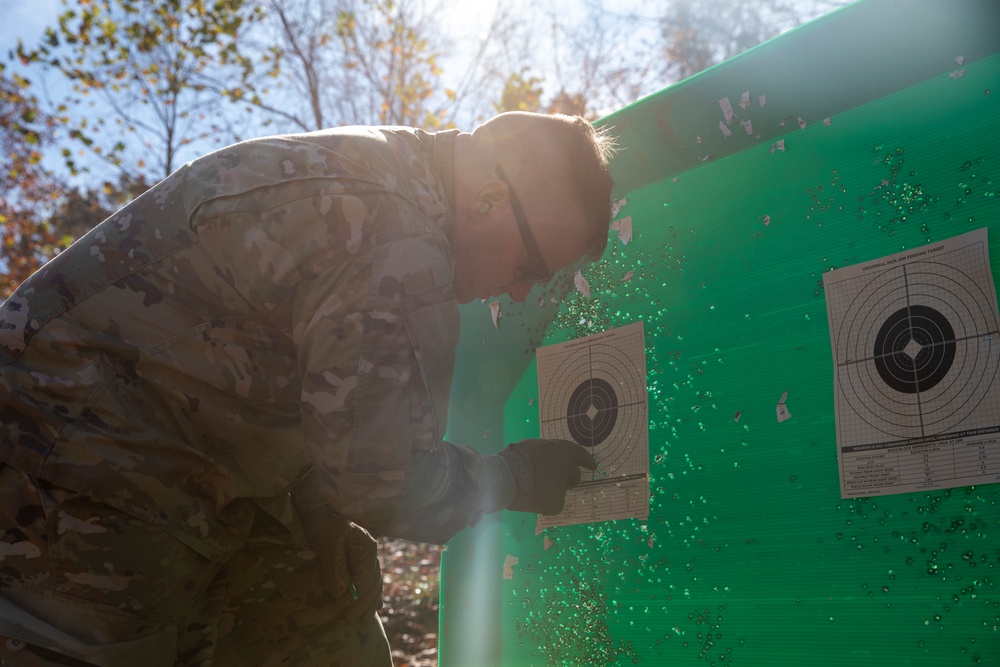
916,348
594,394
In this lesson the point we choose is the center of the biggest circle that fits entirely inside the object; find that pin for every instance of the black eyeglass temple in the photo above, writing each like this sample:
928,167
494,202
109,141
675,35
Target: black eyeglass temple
534,255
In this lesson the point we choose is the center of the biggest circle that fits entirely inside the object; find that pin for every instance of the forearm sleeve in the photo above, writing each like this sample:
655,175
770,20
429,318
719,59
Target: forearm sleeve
376,377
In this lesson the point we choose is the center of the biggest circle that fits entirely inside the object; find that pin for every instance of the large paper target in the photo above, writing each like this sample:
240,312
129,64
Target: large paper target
916,348
593,391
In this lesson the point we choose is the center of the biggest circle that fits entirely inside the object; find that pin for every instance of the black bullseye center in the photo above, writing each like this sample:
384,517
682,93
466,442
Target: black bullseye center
914,349
592,412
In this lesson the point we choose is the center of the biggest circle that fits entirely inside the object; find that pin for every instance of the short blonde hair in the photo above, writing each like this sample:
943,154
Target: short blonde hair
585,149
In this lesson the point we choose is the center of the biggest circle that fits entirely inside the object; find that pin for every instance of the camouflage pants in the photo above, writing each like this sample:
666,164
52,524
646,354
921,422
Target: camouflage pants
82,583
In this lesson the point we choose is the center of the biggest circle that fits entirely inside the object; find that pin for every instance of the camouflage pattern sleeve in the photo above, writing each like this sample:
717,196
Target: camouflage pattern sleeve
374,324
373,418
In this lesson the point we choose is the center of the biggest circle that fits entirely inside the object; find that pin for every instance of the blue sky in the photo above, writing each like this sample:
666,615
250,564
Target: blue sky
25,19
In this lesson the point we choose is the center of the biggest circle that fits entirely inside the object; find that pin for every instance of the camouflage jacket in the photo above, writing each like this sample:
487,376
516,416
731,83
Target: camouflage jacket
278,306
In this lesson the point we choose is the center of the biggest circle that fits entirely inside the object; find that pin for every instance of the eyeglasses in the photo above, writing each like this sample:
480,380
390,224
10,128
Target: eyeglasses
536,270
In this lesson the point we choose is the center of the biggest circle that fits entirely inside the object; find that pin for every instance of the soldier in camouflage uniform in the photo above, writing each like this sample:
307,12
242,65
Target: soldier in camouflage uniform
205,398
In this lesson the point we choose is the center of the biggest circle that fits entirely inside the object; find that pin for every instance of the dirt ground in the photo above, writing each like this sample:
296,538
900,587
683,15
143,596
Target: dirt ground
410,594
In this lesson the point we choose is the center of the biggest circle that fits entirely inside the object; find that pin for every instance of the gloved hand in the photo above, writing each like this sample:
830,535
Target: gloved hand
348,556
543,471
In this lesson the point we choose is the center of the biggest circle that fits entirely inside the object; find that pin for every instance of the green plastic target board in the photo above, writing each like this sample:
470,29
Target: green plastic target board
871,131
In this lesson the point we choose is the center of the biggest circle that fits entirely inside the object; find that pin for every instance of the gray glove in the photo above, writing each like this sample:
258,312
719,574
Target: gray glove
543,471
348,556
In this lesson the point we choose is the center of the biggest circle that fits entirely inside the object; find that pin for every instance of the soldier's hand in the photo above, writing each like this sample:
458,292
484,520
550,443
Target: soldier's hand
543,471
348,556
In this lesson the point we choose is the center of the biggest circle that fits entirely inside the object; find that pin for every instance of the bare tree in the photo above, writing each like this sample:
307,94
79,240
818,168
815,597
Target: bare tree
597,56
697,34
601,61
335,62
297,41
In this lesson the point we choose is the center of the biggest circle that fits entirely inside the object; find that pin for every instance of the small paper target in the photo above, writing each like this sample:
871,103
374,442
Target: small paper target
594,393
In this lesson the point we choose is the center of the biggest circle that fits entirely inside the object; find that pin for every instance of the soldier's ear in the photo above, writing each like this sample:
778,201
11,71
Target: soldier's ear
489,197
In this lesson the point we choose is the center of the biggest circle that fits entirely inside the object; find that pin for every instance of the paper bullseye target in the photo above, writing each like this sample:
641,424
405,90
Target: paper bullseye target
917,349
593,391
595,394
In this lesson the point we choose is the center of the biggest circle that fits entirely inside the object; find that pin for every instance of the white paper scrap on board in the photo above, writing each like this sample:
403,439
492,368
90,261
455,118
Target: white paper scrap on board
581,284
727,109
508,566
916,350
782,409
593,391
624,228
